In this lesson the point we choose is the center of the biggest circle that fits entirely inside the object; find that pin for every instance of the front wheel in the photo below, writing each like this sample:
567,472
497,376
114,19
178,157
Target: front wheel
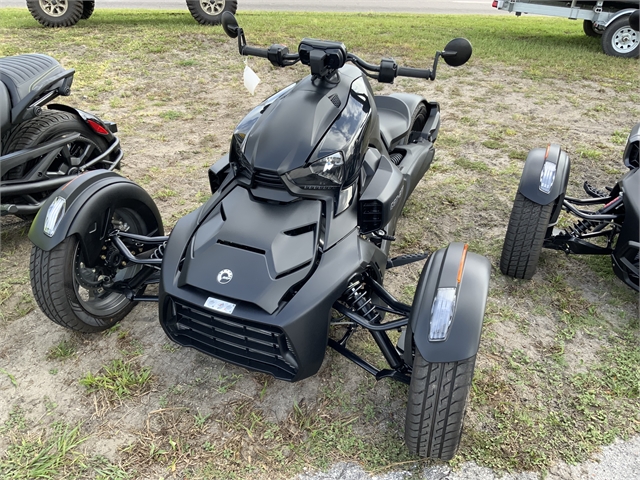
620,40
209,12
435,409
525,236
56,13
76,296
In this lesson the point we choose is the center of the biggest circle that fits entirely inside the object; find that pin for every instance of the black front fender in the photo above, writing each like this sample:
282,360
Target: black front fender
449,268
90,199
530,182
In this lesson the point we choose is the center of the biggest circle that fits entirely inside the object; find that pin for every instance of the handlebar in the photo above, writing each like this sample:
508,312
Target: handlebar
255,51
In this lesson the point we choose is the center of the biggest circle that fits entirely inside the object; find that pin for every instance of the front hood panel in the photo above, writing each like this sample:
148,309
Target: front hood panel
267,248
290,128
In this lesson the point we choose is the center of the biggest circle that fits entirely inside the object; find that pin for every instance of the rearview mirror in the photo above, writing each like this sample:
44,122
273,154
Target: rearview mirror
457,52
230,24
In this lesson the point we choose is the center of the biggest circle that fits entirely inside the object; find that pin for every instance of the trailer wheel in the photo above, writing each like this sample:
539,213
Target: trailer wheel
87,9
620,40
590,30
56,13
435,409
209,12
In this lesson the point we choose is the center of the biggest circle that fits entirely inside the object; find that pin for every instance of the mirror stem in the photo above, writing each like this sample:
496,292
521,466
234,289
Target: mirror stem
435,65
242,42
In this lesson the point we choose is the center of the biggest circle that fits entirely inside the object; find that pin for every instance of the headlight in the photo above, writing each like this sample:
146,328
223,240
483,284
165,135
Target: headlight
547,177
326,173
54,215
442,312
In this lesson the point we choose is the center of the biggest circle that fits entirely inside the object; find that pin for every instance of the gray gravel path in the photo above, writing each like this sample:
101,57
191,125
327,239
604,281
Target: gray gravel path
619,461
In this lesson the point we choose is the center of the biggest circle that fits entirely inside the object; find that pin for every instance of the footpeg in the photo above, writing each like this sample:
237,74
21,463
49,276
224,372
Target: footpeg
406,259
593,191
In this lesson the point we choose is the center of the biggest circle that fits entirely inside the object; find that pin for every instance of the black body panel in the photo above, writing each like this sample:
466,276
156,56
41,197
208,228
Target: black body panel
441,271
90,200
265,265
530,180
304,319
625,254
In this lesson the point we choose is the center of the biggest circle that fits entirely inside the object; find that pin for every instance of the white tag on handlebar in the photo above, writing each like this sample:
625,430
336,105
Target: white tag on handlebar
251,80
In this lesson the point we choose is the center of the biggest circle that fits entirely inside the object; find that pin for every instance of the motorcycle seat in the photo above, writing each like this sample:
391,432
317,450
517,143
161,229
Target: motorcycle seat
23,74
395,119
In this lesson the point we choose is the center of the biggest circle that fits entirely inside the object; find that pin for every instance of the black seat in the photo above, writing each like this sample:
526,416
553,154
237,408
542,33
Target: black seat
395,119
23,74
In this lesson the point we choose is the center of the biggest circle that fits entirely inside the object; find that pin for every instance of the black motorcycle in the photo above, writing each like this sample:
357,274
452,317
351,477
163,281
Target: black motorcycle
42,148
541,197
299,225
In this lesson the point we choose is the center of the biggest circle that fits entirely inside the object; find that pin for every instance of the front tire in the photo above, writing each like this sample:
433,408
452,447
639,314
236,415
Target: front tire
620,40
71,294
209,12
56,13
435,409
525,236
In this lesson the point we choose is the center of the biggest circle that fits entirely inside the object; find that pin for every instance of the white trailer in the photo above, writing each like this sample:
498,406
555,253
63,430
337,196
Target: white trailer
609,20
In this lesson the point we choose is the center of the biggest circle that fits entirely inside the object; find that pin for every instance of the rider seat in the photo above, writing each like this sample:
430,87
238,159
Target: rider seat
395,119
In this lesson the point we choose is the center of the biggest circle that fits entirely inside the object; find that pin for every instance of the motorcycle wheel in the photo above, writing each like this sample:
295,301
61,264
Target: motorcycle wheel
71,294
209,12
435,409
525,236
87,9
48,126
60,13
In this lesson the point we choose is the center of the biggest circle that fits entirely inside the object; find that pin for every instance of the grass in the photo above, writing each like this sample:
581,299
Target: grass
119,379
62,351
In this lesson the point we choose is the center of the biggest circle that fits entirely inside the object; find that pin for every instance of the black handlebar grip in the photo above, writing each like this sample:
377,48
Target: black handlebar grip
414,72
255,52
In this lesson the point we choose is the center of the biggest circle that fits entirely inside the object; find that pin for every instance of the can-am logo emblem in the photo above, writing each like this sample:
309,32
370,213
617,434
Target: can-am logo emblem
225,276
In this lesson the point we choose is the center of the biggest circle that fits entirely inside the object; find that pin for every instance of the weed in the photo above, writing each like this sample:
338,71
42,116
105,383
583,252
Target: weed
62,351
119,379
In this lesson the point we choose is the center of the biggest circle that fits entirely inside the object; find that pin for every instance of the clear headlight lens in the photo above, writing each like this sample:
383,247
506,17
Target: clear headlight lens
442,312
547,177
326,173
54,215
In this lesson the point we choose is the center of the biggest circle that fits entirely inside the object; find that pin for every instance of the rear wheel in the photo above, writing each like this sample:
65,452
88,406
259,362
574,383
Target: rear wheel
75,296
51,125
525,236
620,40
209,12
56,13
435,409
87,9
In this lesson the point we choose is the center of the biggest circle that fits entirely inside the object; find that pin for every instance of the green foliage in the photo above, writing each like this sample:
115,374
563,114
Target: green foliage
119,379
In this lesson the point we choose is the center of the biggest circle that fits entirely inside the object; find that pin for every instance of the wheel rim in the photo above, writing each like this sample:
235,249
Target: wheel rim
624,40
54,8
87,283
212,7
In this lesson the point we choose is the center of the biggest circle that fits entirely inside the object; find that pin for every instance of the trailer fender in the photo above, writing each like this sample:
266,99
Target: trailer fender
545,175
615,16
83,207
448,308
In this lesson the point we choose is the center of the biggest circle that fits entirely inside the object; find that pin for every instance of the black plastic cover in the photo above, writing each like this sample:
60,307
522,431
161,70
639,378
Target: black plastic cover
385,193
530,180
441,271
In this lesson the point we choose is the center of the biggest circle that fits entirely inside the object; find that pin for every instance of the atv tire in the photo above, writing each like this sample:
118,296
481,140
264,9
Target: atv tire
87,9
525,236
57,275
209,12
60,13
435,410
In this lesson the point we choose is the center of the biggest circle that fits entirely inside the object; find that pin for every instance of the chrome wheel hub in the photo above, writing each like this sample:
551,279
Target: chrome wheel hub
212,7
54,8
625,40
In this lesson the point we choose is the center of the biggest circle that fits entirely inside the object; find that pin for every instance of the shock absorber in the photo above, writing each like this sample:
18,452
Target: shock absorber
357,298
584,226
158,253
